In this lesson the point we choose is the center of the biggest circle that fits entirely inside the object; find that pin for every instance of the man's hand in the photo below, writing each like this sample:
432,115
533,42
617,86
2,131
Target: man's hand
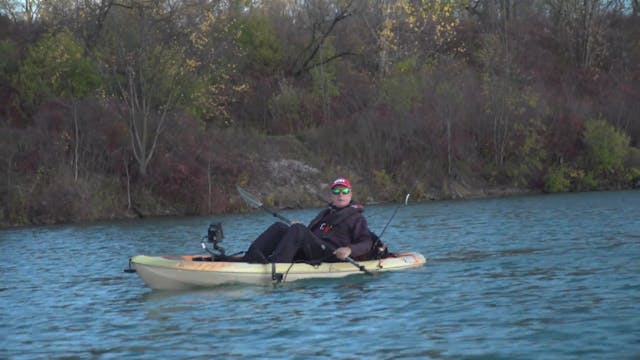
342,252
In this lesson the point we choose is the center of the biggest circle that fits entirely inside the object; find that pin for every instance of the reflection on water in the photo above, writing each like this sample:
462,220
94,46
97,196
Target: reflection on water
526,277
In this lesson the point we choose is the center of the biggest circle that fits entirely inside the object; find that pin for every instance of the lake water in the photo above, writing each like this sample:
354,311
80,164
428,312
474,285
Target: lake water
536,277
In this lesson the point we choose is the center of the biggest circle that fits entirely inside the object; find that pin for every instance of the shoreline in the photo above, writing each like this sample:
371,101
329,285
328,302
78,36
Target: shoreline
478,194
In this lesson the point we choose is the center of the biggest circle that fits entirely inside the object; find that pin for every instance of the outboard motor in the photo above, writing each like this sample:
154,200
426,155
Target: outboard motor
215,236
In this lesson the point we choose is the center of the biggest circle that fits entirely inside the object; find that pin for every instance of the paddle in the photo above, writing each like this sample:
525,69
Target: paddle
256,203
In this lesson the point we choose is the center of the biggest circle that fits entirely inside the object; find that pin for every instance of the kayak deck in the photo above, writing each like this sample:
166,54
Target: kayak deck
192,271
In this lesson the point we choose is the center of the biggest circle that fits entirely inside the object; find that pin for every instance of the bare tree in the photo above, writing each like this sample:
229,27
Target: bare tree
150,75
581,26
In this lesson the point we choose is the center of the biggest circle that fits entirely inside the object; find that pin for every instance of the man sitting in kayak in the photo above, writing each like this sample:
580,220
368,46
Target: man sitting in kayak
341,226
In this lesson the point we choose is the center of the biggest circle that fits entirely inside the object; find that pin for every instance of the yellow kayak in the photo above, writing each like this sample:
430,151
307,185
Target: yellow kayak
193,271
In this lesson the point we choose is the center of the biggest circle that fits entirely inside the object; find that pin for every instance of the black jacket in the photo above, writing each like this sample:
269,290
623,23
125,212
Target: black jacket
343,227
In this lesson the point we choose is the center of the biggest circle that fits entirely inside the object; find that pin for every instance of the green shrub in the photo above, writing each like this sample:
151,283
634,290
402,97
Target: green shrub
633,177
286,109
588,181
633,158
381,179
557,180
607,147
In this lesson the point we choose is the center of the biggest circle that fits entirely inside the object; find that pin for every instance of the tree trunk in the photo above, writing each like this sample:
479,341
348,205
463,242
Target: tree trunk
449,148
209,185
74,109
126,169
384,42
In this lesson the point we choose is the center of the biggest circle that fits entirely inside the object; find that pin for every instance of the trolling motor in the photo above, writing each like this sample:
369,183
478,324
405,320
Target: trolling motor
214,236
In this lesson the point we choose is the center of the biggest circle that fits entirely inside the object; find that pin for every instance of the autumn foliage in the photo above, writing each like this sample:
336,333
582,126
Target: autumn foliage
112,109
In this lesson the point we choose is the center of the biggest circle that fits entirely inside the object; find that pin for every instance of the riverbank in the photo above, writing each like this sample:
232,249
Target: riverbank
293,185
281,170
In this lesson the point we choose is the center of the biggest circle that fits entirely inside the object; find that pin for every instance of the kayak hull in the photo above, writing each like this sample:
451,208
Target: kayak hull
194,271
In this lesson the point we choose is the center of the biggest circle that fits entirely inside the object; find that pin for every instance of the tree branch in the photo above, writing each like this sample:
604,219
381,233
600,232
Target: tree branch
327,60
315,45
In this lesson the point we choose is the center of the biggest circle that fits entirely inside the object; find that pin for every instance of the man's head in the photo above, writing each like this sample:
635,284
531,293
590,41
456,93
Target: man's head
340,192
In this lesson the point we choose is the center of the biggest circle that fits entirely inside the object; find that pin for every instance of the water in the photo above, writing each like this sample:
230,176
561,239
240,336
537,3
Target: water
540,277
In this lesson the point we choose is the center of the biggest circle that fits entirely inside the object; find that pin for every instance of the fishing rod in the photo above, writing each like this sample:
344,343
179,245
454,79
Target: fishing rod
406,201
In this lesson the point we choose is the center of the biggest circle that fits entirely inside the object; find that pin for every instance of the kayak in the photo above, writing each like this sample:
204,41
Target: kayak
216,268
195,271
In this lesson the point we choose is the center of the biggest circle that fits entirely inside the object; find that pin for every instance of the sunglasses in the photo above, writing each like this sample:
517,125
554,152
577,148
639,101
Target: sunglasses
345,191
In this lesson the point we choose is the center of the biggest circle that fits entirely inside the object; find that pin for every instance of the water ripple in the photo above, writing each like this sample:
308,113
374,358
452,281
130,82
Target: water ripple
514,278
